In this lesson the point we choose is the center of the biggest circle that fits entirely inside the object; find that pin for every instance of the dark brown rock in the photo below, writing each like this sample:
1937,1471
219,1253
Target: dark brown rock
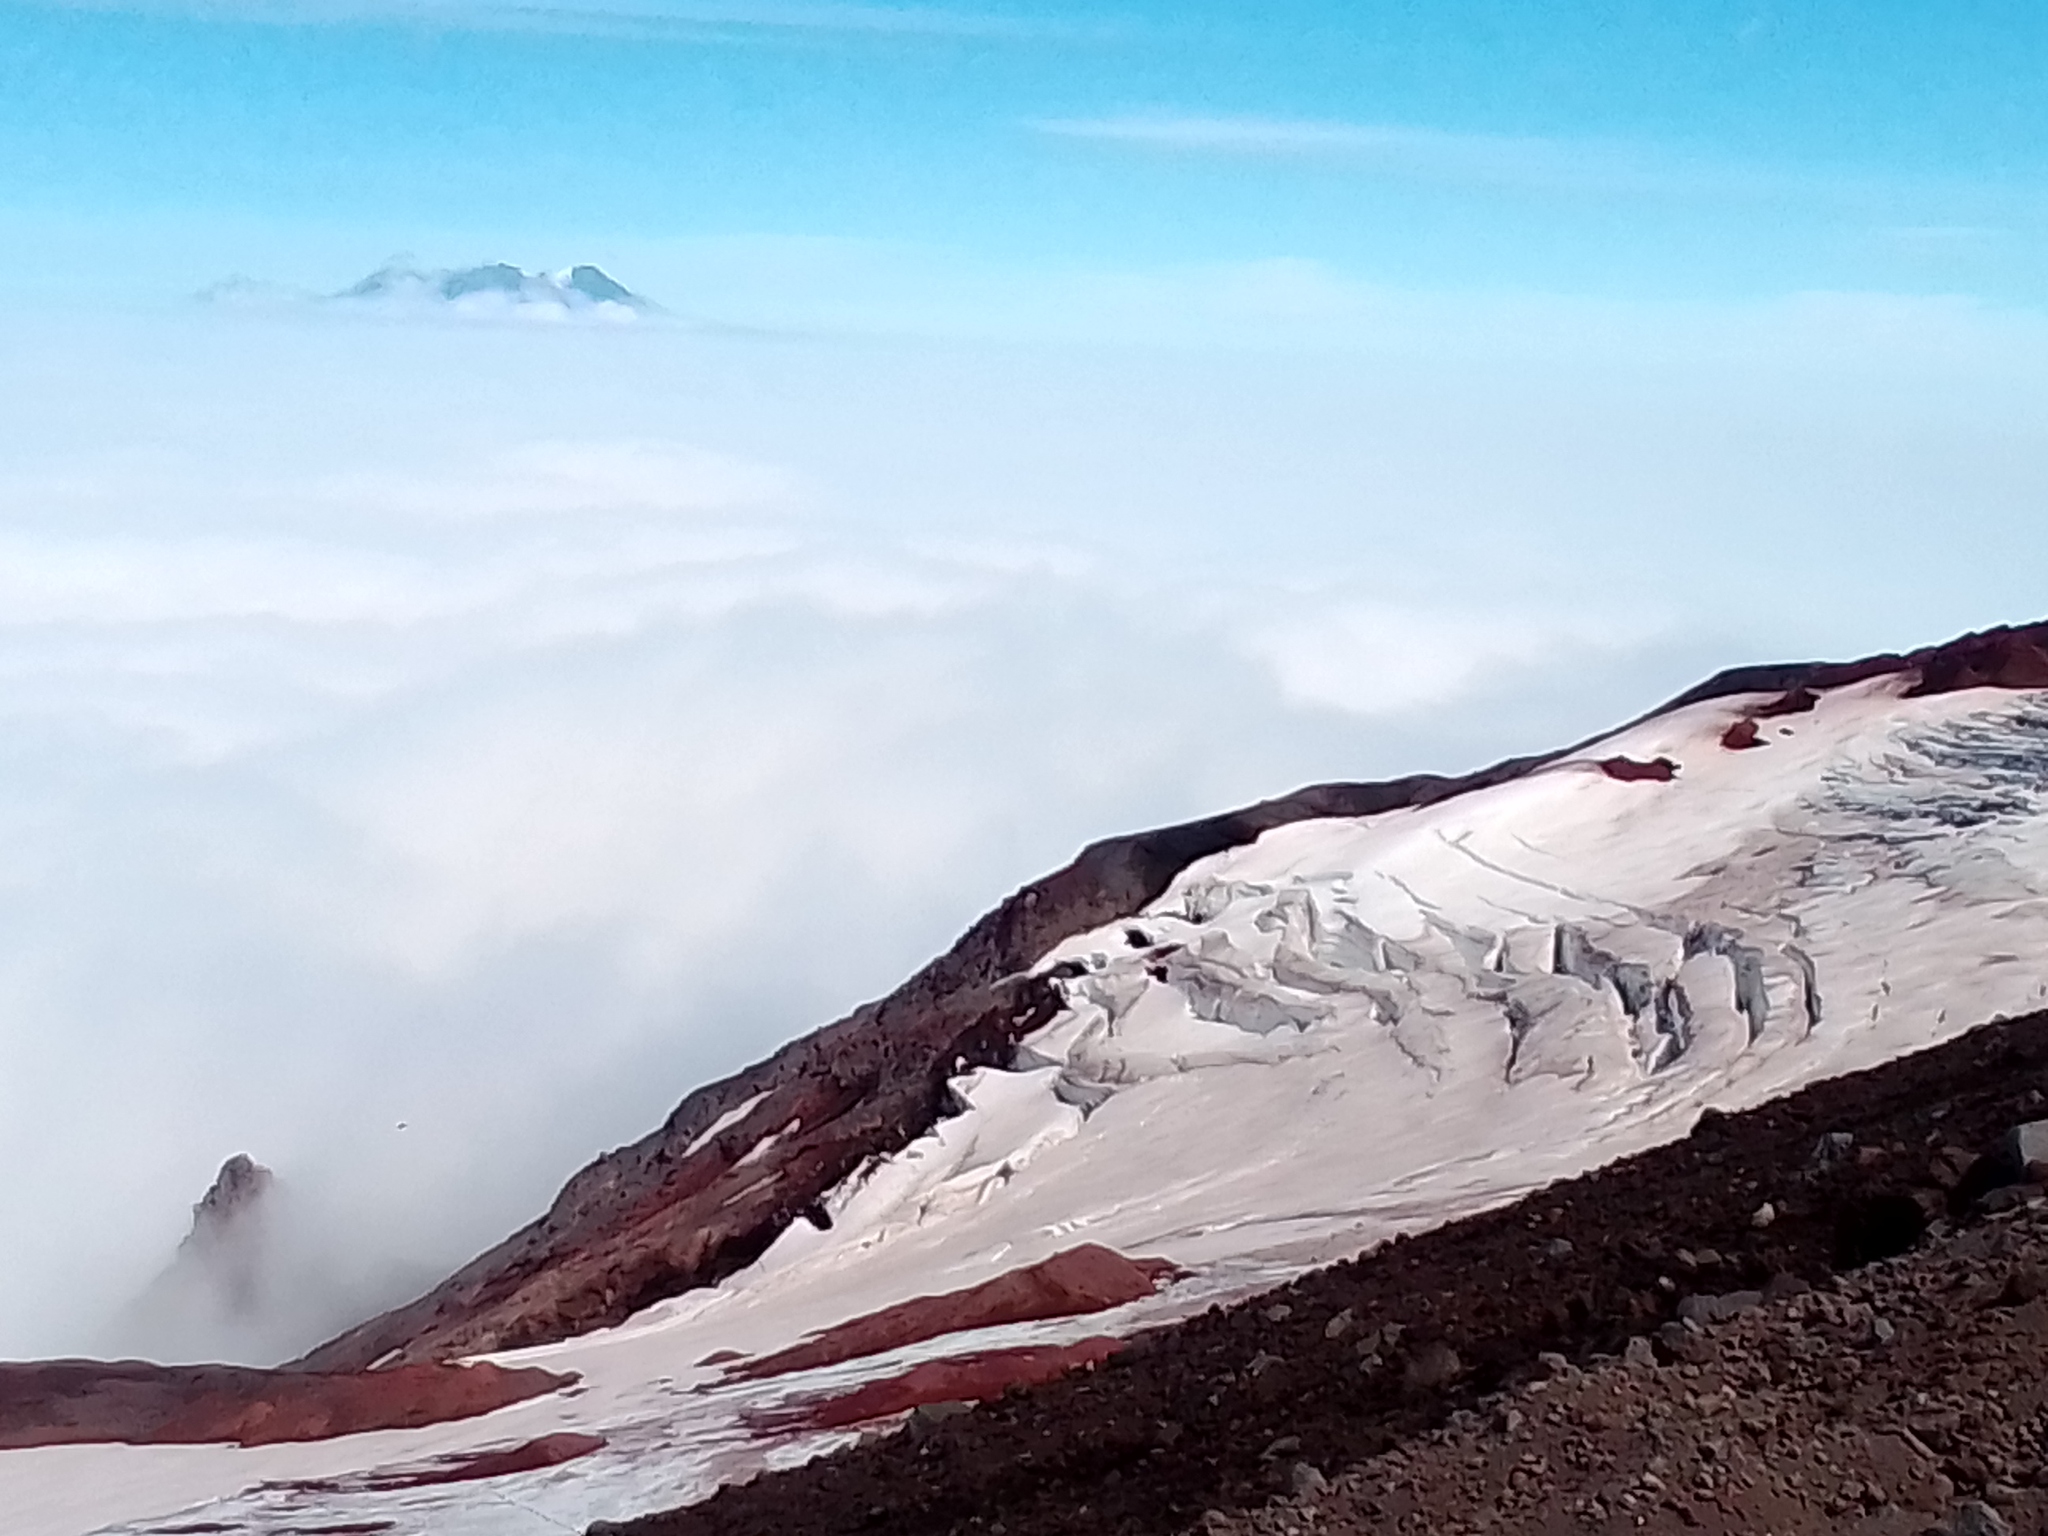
78,1402
1431,1367
1794,701
463,1467
1080,1280
963,1379
1659,770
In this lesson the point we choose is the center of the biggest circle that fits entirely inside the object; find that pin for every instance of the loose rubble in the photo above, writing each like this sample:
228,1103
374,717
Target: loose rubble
1903,1399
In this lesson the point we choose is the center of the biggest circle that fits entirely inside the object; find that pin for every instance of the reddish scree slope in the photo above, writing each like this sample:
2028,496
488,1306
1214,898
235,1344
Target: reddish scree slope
961,1379
78,1402
656,1218
1080,1280
461,1467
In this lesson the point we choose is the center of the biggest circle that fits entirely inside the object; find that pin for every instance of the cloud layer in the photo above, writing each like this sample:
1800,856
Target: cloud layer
425,754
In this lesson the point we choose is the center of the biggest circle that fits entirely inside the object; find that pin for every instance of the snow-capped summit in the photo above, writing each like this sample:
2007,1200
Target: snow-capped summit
497,287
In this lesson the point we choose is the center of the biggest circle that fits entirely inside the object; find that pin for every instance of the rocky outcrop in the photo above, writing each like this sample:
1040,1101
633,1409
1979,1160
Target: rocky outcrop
1629,770
2005,657
706,1193
462,1467
1743,735
79,1402
234,1200
963,1379
227,1240
221,1285
1080,1280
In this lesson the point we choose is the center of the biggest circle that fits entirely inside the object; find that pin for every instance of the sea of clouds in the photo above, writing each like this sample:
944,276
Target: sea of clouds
426,752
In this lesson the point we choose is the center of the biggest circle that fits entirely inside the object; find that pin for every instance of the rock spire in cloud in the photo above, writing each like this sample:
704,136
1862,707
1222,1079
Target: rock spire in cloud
222,1277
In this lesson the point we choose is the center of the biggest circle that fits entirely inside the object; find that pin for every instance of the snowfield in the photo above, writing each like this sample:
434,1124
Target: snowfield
1349,1029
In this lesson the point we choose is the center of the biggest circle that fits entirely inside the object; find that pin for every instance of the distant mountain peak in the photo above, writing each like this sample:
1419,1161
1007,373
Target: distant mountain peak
490,289
497,285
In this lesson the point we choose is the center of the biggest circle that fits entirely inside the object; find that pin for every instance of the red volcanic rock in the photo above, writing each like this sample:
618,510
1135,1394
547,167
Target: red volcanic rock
547,1451
1795,701
965,1379
77,1402
1994,658
1659,770
2000,658
1743,735
1997,658
1080,1280
466,1467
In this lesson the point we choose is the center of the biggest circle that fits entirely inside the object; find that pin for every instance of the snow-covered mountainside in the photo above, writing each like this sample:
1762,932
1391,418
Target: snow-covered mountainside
497,288
1243,1048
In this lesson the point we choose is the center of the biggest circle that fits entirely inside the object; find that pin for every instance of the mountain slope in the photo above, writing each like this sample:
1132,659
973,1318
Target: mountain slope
1348,1362
680,1209
1244,1046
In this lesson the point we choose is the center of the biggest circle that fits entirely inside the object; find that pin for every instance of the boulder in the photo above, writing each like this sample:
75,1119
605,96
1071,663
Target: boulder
1707,1310
2013,1160
1432,1366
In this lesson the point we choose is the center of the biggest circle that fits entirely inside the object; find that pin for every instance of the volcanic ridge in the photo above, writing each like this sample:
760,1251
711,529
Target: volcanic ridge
1247,1171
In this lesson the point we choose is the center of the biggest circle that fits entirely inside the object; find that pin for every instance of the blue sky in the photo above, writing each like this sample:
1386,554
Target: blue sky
1646,150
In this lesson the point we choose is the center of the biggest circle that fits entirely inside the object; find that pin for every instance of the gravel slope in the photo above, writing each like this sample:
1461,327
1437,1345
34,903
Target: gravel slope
1207,1425
1906,1397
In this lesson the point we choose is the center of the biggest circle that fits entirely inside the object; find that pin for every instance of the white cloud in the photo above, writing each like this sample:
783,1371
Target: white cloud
1378,658
548,479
